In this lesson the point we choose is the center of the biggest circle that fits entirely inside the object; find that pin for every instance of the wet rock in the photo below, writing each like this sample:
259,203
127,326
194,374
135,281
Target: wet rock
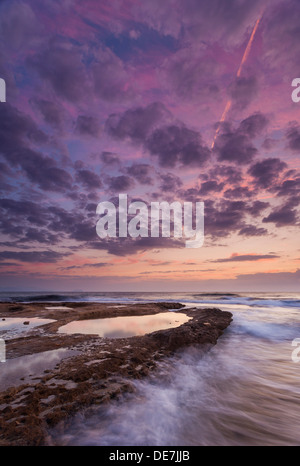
100,370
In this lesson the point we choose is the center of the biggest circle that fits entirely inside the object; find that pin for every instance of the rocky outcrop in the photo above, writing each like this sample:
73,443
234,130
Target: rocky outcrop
101,370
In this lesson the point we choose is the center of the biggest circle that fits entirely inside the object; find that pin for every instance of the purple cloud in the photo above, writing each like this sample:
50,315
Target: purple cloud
87,126
177,144
32,256
242,91
247,257
282,216
267,171
209,187
236,145
169,182
137,123
122,183
140,172
88,179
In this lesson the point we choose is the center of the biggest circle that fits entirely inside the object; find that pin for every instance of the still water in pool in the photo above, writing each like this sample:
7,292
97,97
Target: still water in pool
122,327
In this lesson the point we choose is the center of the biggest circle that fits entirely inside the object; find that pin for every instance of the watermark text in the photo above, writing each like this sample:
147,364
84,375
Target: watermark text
2,90
141,220
296,92
296,351
2,350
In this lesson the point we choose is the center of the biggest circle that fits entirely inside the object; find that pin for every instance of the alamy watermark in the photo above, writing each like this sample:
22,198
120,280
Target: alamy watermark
296,92
141,220
2,90
296,351
2,350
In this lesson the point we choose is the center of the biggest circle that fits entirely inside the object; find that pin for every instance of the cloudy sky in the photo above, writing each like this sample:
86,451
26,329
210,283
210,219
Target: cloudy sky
162,100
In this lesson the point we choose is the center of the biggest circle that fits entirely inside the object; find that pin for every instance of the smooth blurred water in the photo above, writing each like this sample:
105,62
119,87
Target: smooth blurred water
244,391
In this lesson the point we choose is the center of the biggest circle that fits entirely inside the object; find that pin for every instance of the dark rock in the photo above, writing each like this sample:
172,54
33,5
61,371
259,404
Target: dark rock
100,372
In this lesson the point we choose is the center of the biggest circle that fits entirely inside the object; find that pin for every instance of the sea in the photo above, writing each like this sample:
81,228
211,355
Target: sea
244,391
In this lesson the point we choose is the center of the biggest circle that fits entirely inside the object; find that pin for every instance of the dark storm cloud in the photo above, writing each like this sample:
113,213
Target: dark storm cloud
121,183
283,215
88,179
229,173
238,192
247,257
222,176
27,210
171,143
177,144
141,172
137,123
209,187
16,127
91,207
224,218
39,236
290,187
9,264
235,145
29,221
252,230
61,220
265,172
169,182
10,228
87,125
228,216
256,208
72,224
83,231
43,171
189,194
110,159
17,132
129,246
32,256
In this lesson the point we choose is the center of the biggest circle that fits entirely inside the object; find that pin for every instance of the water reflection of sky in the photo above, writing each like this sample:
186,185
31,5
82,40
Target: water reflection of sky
21,370
11,326
120,327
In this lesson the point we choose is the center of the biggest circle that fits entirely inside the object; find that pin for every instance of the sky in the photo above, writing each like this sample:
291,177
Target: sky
168,100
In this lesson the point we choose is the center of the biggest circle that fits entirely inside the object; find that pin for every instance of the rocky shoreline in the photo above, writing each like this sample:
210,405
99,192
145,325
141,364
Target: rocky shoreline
97,370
